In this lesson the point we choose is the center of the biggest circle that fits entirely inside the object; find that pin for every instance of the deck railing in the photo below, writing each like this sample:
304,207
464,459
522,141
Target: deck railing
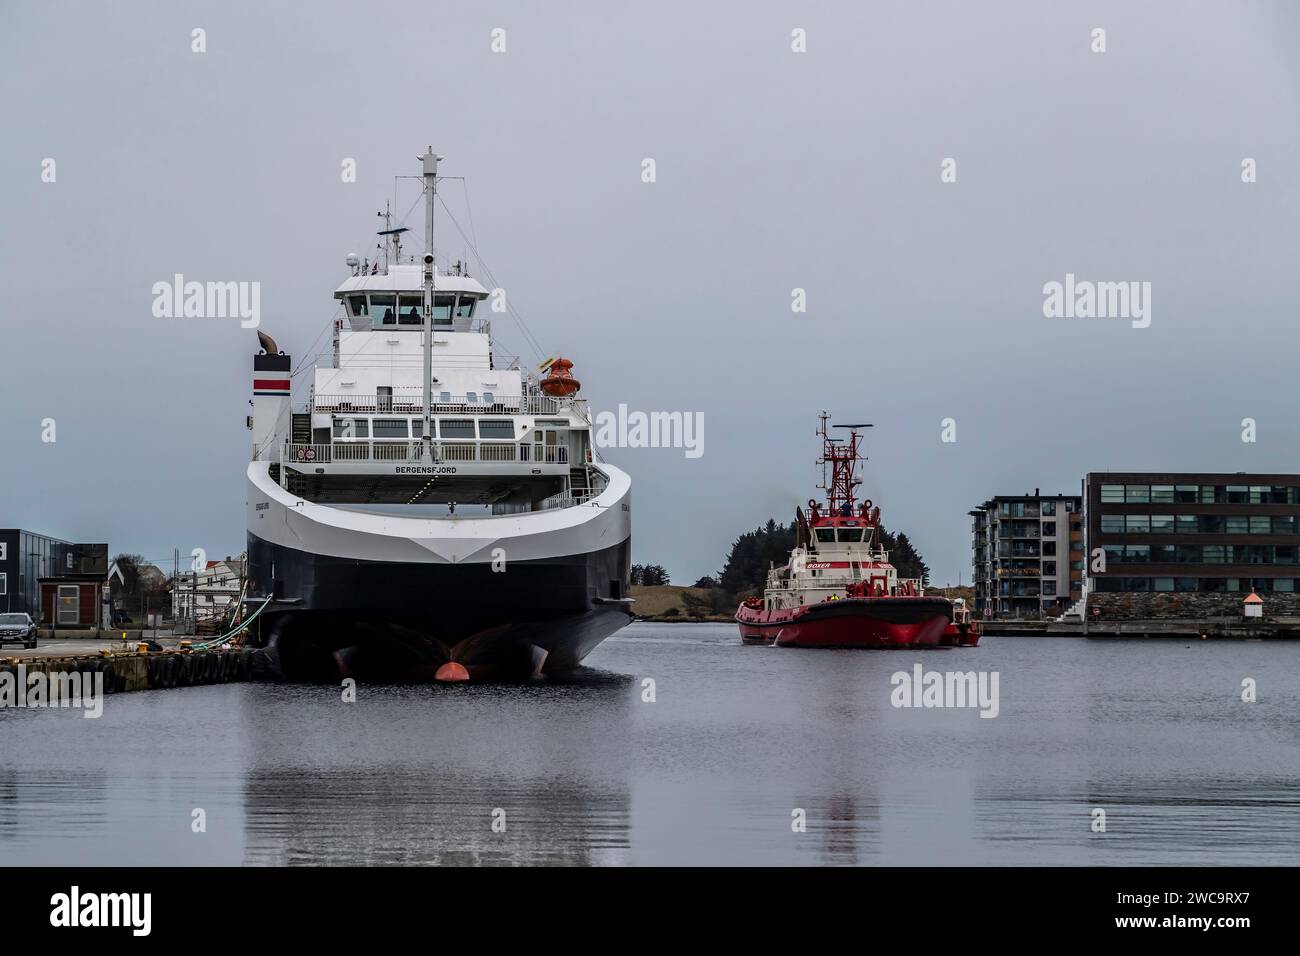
299,455
412,403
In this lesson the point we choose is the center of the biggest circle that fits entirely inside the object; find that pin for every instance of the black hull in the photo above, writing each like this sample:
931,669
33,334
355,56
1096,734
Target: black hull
891,610
335,617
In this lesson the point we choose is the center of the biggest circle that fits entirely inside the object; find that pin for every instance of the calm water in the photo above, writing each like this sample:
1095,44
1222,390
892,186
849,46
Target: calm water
586,772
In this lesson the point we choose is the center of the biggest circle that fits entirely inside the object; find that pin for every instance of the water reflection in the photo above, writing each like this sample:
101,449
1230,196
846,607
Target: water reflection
736,738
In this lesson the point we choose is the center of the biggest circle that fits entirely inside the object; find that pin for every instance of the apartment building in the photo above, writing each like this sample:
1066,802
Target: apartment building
1028,555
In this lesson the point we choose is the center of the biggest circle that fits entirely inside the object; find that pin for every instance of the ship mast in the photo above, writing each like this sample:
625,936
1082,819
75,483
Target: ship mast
839,465
430,160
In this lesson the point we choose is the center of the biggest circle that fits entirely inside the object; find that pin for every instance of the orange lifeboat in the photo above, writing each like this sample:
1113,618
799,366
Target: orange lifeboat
559,381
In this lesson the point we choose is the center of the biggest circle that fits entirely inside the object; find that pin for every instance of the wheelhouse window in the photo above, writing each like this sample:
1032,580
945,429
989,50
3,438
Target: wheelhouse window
357,305
465,307
851,534
825,535
442,308
382,309
411,311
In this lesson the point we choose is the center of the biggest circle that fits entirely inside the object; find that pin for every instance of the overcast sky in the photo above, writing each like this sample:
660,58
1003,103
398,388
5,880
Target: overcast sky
776,170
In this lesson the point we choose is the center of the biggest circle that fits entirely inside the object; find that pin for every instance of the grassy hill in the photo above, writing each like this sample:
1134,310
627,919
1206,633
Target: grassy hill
668,602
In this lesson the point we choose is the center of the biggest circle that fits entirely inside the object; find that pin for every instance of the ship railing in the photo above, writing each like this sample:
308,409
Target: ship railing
410,451
562,500
479,403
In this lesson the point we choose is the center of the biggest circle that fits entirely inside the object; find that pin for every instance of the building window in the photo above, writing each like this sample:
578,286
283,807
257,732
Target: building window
1112,494
1162,494
1162,584
1261,525
1238,524
1137,524
1049,549
1212,554
69,607
1137,494
1049,529
1137,553
1049,589
1185,494
1049,569
4,583
1049,508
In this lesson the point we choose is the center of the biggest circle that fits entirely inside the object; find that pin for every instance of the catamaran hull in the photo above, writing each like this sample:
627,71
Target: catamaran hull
884,622
382,597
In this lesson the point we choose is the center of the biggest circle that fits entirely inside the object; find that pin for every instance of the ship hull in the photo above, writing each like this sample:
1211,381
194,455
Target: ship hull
876,622
376,597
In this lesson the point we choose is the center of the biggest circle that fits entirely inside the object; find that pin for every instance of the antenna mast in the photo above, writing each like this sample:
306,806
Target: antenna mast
839,463
430,160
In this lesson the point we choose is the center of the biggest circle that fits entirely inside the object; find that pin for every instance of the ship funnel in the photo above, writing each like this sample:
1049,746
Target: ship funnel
271,383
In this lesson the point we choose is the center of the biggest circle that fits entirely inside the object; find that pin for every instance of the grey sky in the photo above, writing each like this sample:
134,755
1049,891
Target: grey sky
775,170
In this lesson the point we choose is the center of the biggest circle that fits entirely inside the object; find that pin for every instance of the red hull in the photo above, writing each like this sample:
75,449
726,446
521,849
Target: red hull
961,635
875,622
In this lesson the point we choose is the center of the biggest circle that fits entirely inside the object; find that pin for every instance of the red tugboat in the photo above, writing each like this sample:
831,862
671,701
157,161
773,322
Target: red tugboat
838,589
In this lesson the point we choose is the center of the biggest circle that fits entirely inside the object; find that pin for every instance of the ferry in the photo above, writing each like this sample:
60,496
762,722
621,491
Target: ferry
428,510
838,588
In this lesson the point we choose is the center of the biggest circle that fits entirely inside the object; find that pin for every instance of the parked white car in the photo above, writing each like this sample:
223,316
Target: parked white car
17,629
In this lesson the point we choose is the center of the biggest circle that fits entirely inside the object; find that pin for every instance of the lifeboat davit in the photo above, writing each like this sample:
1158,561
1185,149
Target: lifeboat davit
559,381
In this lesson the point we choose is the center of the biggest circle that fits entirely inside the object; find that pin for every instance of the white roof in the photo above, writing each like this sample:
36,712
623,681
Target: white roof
408,278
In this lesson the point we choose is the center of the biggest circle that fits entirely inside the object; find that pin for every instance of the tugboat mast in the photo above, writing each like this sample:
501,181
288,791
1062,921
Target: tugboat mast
430,160
842,461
